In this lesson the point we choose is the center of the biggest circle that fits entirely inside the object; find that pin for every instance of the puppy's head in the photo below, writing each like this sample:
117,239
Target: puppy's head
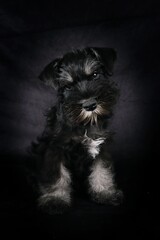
82,78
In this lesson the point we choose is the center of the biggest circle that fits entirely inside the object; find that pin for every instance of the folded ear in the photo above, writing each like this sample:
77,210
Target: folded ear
108,56
49,74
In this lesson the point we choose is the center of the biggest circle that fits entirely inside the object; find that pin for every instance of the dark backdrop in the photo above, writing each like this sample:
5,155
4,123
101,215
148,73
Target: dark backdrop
32,34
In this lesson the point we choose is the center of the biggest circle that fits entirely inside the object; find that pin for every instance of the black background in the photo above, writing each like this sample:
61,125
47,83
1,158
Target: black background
32,34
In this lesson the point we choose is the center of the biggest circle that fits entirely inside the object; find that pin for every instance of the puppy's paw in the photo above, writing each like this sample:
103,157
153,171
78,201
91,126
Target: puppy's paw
53,205
108,197
116,198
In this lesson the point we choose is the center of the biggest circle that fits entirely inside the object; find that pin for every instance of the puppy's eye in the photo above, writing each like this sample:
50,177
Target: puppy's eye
95,74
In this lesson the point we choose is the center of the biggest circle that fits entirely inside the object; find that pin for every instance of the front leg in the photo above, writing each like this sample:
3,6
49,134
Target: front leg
101,183
55,183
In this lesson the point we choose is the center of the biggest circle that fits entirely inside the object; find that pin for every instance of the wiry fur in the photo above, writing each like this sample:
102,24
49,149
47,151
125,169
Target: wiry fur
73,147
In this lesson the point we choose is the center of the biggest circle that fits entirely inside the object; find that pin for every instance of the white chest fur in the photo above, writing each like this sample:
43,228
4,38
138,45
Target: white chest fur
92,145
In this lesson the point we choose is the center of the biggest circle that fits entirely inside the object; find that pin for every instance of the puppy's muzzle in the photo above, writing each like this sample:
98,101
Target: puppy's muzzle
90,104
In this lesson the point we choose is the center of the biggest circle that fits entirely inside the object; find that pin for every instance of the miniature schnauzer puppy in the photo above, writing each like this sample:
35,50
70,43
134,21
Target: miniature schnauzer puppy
72,150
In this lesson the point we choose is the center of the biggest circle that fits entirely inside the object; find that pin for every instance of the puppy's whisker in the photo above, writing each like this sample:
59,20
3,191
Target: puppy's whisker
94,118
73,112
84,116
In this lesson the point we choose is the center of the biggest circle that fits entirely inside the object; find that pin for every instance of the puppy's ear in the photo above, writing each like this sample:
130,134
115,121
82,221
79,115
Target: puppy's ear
108,56
48,75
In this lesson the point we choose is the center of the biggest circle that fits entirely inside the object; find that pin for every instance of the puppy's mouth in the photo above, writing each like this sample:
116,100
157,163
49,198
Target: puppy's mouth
90,110
87,111
91,115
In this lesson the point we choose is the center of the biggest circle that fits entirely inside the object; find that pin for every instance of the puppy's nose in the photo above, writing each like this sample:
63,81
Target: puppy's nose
90,105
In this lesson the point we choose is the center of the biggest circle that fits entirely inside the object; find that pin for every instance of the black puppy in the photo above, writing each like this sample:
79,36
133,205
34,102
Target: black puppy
73,147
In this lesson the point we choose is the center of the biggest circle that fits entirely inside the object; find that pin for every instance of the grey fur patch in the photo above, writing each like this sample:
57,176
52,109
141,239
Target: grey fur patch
92,145
90,66
101,178
60,190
